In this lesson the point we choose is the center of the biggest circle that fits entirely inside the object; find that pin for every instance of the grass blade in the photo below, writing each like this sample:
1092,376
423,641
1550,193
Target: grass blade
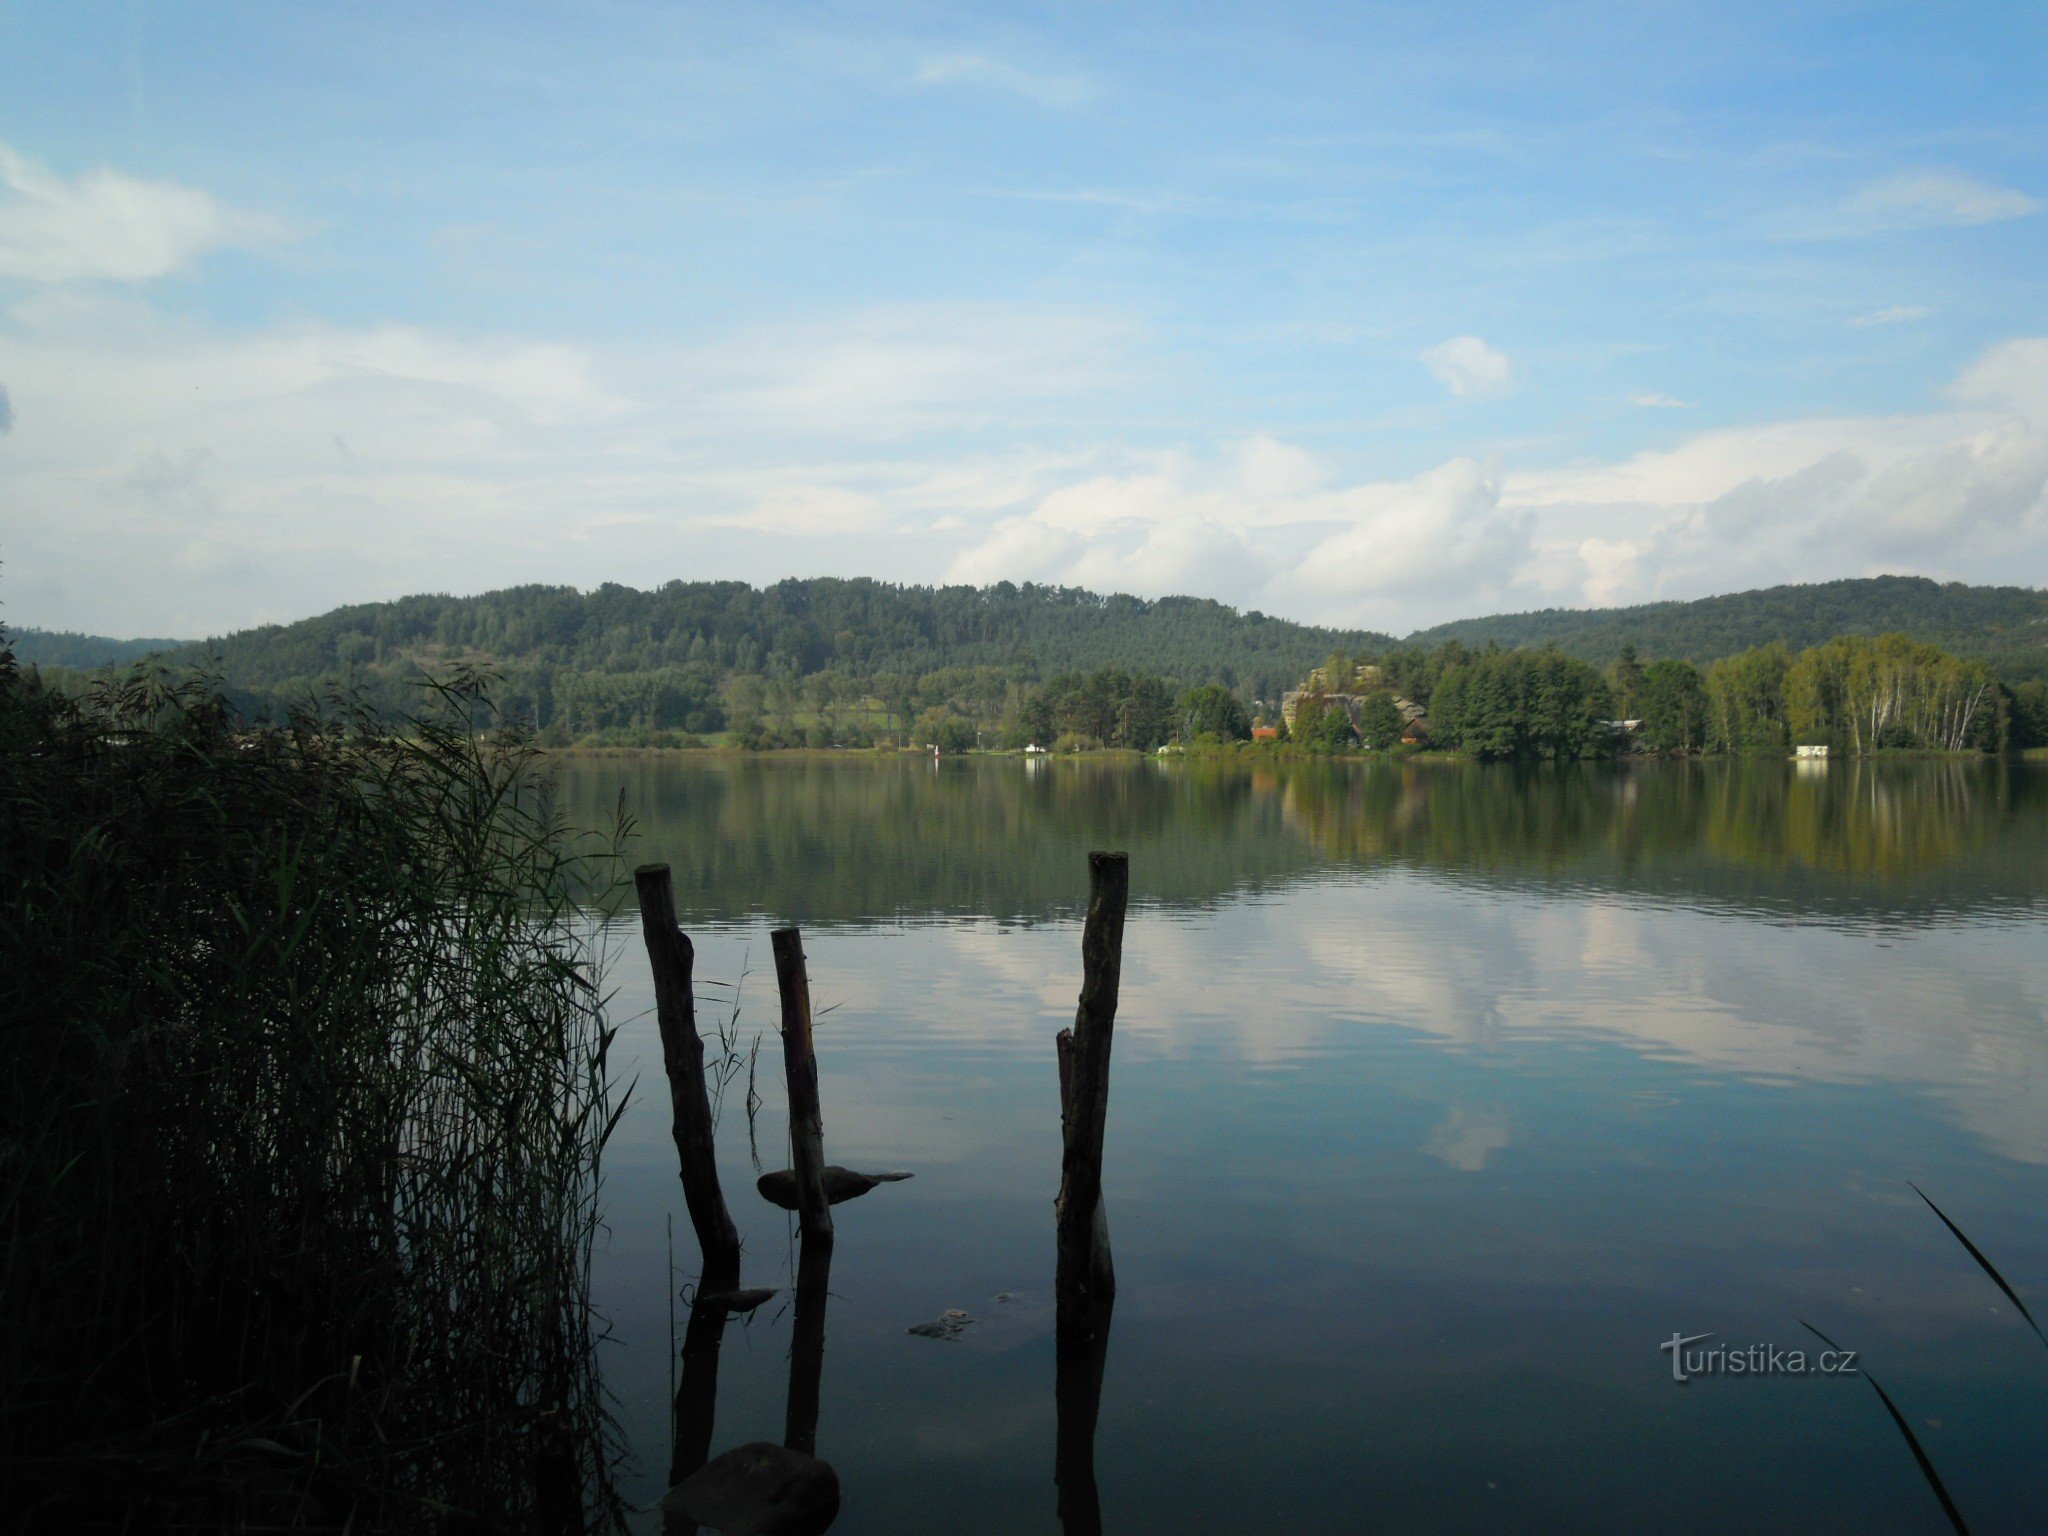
1982,1263
1948,1505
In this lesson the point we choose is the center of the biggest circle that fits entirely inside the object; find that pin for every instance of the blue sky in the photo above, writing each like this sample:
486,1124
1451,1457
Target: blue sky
1372,314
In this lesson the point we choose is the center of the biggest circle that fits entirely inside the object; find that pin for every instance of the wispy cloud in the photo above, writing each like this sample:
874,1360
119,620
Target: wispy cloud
1960,491
318,466
1061,92
1897,314
1103,197
1467,367
103,226
911,369
1654,402
1935,200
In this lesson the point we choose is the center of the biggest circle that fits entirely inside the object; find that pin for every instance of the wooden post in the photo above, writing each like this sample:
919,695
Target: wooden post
807,1345
1077,1399
696,1406
682,1055
814,1213
1085,1279
1076,1307
800,1066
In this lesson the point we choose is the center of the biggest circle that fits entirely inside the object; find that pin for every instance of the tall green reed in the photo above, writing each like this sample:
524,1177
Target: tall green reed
302,1060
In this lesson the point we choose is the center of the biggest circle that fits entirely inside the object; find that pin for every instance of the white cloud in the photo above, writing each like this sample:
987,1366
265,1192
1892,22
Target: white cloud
1154,529
1896,314
2012,376
106,227
1655,402
1959,491
1467,366
1440,537
904,370
1934,200
1056,91
283,471
1271,468
342,465
1370,554
1612,568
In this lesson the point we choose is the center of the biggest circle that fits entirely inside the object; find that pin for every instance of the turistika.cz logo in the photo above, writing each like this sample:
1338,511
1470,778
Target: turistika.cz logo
1752,1360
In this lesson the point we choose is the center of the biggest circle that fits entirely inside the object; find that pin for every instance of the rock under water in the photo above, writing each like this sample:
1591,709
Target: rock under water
759,1489
779,1187
737,1301
949,1324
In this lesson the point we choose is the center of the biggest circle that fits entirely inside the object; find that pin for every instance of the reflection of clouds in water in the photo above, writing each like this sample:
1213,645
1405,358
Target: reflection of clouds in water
1023,965
1467,1136
1008,1428
1611,941
1956,1012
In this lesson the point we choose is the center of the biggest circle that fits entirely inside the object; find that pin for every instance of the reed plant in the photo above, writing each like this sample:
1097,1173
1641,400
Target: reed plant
302,1058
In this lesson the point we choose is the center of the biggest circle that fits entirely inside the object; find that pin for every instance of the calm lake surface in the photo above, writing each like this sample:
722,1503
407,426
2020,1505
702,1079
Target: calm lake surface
1442,1096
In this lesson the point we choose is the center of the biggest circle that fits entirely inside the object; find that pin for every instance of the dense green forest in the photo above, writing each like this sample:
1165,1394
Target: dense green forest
824,652
830,661
2006,626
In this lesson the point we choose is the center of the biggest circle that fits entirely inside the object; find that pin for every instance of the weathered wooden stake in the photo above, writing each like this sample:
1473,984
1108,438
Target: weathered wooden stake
1085,1279
1076,1306
800,1065
682,1054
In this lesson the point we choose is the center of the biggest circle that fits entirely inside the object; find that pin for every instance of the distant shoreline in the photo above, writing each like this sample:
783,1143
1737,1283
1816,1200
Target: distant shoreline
1264,753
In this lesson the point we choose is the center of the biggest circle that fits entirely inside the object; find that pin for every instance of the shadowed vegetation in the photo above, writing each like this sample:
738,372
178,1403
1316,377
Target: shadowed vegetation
302,1046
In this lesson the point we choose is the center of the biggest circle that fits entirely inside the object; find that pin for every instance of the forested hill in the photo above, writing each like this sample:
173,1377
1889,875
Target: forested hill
861,629
2007,626
62,648
696,656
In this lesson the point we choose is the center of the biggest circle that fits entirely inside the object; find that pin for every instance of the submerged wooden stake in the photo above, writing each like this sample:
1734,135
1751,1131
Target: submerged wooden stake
1076,1306
807,1345
1085,1279
696,1404
1077,1398
682,1054
800,1065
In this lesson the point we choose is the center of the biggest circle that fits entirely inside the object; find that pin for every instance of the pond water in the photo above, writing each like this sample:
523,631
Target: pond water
1442,1096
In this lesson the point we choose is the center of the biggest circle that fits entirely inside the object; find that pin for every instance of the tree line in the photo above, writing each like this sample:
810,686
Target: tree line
858,654
858,662
1855,694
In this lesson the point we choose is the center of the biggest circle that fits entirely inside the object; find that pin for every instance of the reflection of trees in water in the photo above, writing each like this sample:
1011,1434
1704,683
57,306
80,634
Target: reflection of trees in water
1456,815
1857,818
858,838
840,839
1876,821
